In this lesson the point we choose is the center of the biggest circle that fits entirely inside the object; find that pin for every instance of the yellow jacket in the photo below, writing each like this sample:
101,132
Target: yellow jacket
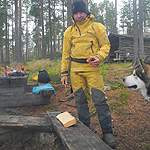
82,40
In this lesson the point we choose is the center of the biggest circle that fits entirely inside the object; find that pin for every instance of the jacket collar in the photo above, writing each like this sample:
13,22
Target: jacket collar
89,17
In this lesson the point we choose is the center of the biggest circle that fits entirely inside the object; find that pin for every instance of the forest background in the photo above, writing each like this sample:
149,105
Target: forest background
31,29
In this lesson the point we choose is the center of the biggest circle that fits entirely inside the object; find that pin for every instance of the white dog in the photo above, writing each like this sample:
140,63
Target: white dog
140,79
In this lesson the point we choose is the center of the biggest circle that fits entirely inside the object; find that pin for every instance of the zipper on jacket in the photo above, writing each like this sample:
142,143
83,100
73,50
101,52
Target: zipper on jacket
79,30
77,27
92,46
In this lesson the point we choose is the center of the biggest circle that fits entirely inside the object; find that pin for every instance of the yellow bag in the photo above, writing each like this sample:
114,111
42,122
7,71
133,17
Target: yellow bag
36,77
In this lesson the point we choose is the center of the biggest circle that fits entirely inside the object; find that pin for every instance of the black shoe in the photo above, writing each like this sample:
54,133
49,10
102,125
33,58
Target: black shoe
110,140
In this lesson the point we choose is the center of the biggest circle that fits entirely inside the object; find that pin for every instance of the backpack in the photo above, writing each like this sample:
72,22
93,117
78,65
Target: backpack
42,77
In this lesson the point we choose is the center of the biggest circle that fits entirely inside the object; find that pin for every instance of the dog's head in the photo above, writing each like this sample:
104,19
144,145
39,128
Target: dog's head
140,79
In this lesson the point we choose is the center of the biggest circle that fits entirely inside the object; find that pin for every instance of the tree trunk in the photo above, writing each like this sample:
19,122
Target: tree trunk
58,39
6,35
38,43
141,42
20,40
13,51
129,28
58,42
16,31
27,41
63,11
69,12
50,30
115,24
43,40
54,23
1,50
135,24
8,44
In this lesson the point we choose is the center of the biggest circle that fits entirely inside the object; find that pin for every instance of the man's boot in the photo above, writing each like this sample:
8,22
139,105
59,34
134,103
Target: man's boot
110,140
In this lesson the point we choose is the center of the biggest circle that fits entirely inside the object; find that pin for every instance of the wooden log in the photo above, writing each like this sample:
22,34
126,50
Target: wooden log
40,124
77,137
47,92
25,99
13,84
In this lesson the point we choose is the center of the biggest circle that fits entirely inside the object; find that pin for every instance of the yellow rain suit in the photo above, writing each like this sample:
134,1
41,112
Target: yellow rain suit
82,40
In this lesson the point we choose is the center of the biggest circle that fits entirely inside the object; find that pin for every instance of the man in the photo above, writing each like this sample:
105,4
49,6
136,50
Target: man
87,39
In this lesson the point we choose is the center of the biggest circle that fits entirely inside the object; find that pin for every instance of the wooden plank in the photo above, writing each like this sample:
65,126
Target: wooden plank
16,84
11,89
25,99
25,122
23,96
77,137
46,92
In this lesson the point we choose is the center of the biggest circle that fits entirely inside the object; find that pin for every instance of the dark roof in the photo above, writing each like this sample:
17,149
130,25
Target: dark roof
124,36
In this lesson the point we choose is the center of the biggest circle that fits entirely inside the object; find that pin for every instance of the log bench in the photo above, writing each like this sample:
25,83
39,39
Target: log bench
77,137
14,92
13,84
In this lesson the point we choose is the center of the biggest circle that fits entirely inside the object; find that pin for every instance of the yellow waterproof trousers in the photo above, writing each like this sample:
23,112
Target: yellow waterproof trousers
81,78
94,81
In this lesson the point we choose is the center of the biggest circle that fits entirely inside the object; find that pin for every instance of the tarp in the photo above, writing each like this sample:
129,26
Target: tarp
36,90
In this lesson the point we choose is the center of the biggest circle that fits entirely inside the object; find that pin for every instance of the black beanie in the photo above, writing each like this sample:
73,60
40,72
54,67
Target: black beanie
78,6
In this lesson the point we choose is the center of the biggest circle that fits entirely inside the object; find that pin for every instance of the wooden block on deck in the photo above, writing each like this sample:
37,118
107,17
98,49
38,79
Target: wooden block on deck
77,137
66,119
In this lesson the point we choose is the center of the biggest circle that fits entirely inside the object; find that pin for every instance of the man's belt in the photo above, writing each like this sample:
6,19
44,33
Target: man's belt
78,60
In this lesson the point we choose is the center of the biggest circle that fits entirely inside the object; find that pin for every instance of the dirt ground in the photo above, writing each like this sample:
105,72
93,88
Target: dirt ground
130,122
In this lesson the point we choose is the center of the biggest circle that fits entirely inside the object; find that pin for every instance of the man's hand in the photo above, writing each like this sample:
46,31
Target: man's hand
64,80
94,62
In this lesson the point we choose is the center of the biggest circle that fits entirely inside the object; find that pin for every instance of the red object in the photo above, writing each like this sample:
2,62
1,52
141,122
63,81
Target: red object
5,72
22,69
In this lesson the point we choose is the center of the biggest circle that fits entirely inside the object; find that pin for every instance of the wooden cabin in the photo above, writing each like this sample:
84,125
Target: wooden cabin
122,47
